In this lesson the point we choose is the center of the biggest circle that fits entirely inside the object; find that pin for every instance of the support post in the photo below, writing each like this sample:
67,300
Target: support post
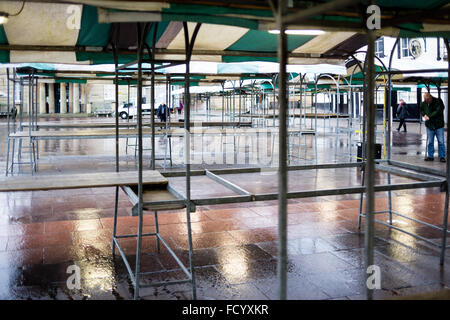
51,98
141,32
42,106
187,111
370,159
83,97
62,98
76,98
282,154
447,170
70,97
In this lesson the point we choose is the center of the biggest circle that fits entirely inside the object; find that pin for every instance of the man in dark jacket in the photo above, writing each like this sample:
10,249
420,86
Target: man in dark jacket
432,110
402,112
161,112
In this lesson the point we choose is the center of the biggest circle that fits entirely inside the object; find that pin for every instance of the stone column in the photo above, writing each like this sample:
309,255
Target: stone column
25,100
83,97
70,97
62,98
42,106
76,98
51,98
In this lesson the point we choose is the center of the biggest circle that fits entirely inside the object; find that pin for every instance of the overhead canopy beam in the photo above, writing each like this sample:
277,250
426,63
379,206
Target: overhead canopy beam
160,51
316,10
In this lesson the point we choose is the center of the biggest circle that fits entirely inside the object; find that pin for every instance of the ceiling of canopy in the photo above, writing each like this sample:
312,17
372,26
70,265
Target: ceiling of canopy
80,32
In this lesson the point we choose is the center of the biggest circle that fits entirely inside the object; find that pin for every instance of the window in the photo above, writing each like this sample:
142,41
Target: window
404,48
379,48
442,49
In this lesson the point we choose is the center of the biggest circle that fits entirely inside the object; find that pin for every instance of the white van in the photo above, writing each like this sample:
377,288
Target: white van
130,110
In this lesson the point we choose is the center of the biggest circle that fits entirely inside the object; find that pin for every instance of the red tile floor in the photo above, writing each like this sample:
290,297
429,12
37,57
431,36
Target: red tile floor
43,233
235,248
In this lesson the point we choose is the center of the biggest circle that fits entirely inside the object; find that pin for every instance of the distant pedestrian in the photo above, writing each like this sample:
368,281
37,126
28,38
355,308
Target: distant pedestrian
162,112
432,110
180,107
402,112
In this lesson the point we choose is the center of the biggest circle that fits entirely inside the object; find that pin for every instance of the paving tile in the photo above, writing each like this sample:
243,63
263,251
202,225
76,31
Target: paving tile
18,258
176,230
265,210
298,288
405,293
241,254
17,229
72,225
315,229
58,254
38,241
206,240
399,252
325,206
309,246
429,269
248,271
202,257
195,216
351,241
149,263
318,263
341,283
255,235
148,245
357,257
260,222
44,274
209,282
121,221
234,213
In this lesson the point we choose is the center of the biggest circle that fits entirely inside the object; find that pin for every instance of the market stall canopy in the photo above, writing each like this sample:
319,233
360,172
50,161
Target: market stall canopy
79,32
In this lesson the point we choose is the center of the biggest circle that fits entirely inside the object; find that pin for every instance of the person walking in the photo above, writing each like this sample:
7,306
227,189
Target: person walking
432,110
162,112
402,112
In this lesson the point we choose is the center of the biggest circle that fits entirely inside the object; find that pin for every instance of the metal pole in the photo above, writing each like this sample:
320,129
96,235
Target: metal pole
240,105
282,169
7,115
370,163
141,32
189,46
116,199
30,115
389,101
223,100
389,129
447,168
152,93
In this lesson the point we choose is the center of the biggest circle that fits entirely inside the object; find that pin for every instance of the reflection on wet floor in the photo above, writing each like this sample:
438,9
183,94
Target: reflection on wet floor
43,233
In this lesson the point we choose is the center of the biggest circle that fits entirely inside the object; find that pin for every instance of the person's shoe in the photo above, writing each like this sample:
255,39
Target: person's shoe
398,130
429,159
442,159
405,131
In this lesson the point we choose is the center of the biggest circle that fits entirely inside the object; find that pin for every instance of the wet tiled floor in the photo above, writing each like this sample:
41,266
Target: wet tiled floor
43,233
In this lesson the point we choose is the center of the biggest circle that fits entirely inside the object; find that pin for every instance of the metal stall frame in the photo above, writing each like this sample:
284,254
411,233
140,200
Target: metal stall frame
283,194
29,81
419,169
142,30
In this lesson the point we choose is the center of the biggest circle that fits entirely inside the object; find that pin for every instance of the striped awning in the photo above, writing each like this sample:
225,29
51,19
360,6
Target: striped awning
79,32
